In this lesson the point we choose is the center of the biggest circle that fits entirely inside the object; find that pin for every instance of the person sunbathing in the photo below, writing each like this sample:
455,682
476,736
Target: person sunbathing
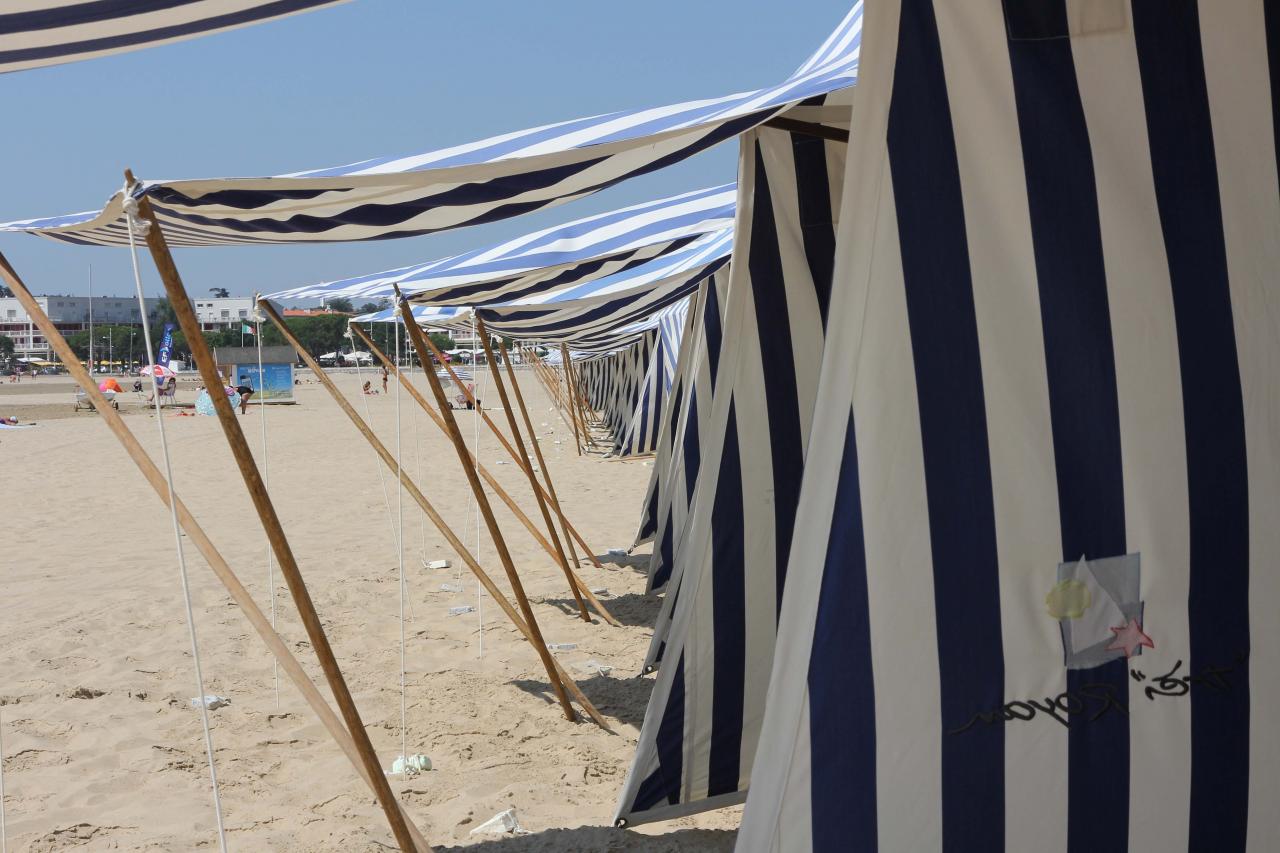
368,388
9,421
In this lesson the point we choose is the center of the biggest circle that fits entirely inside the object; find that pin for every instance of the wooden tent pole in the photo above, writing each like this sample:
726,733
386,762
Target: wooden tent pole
573,397
502,439
537,446
435,419
496,369
552,388
221,569
499,544
270,521
414,492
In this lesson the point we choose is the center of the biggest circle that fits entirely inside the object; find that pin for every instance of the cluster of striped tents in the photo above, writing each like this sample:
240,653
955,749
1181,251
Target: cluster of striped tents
36,33
743,459
962,401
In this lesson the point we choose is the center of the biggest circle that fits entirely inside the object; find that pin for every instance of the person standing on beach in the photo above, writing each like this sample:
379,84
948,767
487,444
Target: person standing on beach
245,390
384,379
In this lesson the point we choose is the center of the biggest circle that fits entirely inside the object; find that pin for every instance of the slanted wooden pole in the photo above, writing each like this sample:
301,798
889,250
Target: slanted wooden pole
436,519
528,466
499,543
537,446
502,439
573,398
270,521
435,419
221,569
551,386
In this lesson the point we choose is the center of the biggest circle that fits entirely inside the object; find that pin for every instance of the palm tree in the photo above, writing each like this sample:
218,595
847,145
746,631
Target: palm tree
220,292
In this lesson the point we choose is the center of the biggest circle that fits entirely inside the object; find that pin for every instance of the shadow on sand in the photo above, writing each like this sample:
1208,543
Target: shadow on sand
621,699
591,839
634,608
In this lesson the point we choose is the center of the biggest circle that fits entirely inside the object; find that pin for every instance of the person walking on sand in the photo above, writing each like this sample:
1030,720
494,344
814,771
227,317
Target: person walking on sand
384,379
245,390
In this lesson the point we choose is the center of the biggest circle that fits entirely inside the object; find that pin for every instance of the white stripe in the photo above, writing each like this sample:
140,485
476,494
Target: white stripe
1235,53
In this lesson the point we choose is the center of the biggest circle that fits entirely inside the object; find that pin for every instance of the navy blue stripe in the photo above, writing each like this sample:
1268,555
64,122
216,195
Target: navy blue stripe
1083,403
662,787
769,290
816,226
45,19
728,609
712,328
842,701
944,341
1184,164
665,546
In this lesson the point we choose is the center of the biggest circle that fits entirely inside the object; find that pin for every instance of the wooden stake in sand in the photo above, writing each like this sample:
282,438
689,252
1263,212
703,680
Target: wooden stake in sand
186,315
528,466
435,419
533,438
556,673
502,439
239,594
482,501
487,475
573,405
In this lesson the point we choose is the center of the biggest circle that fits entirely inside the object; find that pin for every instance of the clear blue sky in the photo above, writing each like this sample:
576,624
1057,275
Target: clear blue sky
368,78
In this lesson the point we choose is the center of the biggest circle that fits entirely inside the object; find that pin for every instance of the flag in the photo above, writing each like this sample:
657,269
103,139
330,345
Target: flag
166,346
246,329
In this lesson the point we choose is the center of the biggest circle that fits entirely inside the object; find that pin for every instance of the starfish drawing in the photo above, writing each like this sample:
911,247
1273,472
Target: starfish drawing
1130,638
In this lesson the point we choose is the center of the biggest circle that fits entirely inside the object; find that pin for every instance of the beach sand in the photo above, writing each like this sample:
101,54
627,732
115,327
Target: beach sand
102,749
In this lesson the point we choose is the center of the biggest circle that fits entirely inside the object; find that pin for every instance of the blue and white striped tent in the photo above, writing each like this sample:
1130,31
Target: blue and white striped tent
548,260
1032,591
686,425
697,744
477,182
36,33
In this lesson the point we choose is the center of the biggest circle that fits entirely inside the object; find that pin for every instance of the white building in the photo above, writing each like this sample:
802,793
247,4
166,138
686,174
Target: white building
70,314
224,313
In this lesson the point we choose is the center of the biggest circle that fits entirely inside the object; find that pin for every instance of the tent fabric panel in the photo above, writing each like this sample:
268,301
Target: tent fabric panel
1142,147
752,459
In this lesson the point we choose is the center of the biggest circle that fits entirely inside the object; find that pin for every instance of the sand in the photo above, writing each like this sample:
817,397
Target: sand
102,750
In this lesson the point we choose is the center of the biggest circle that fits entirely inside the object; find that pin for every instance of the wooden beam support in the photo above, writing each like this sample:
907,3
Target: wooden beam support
414,492
186,316
502,439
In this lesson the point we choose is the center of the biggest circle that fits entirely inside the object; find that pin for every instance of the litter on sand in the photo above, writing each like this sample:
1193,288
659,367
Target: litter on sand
562,647
595,666
500,824
437,564
458,611
600,590
212,703
450,587
403,766
617,552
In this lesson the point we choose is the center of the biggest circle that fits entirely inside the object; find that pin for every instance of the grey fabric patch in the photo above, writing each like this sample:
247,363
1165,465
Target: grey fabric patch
1114,594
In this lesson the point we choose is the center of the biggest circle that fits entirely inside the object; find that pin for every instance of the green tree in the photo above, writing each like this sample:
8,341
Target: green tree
6,349
219,292
368,308
318,335
341,304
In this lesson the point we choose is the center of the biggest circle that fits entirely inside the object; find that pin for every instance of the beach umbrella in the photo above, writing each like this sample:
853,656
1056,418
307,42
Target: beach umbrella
109,384
156,370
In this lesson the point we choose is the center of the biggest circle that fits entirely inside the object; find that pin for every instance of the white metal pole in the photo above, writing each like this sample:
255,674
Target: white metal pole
90,318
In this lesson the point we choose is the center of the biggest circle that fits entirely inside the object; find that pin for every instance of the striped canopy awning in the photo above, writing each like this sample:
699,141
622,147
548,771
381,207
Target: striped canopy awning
36,33
547,260
469,184
578,318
